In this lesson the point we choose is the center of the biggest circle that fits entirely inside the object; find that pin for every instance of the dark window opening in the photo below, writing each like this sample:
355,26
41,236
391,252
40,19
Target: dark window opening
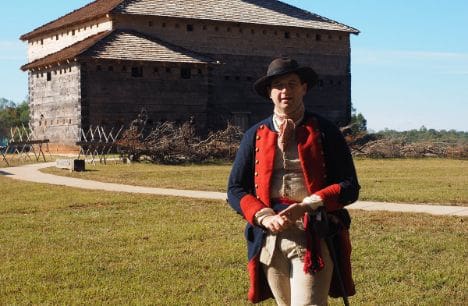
73,32
155,70
240,30
137,72
98,68
42,41
150,23
168,70
189,28
200,71
237,78
318,37
264,32
228,29
124,69
163,24
275,32
298,35
330,37
110,68
287,35
216,28
56,37
204,27
177,25
252,31
185,73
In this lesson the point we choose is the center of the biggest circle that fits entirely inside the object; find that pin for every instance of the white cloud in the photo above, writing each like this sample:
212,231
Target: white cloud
448,63
13,50
371,55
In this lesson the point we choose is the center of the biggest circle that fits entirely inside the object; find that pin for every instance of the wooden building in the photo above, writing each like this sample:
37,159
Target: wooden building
101,64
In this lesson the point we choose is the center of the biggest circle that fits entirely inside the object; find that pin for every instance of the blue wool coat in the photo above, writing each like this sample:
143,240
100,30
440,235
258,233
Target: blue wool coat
328,172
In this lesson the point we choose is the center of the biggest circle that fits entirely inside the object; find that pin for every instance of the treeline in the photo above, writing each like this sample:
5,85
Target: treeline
414,143
12,115
425,135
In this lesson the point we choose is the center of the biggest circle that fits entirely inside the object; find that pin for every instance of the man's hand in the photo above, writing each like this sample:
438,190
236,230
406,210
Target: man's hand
295,211
276,223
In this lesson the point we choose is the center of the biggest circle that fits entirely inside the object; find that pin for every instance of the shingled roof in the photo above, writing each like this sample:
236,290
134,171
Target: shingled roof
122,45
267,12
88,12
67,53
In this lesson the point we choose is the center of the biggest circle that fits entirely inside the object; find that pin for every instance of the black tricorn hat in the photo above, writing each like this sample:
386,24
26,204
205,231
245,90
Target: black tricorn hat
282,66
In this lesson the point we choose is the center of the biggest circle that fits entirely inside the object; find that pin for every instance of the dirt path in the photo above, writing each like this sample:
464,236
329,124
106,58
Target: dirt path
31,173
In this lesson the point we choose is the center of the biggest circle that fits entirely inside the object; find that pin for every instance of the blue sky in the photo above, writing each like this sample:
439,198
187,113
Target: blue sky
409,63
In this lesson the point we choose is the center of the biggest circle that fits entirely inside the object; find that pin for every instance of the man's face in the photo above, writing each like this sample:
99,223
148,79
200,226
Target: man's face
287,92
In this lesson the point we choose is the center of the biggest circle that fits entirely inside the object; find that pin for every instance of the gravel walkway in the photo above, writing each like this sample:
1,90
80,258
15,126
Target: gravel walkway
31,173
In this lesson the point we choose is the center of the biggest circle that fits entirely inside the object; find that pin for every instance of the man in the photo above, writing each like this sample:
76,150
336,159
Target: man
288,167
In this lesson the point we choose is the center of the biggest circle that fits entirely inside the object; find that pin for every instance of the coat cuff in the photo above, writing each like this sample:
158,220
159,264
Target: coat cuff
250,205
330,196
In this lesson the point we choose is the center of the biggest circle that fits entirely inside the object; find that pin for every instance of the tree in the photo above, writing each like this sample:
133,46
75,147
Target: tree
12,115
4,103
358,122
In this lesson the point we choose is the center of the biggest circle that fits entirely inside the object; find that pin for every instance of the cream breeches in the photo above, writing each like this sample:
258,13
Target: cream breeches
289,283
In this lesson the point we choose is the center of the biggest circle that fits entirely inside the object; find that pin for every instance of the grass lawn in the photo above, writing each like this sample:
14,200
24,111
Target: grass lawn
23,159
391,180
65,246
414,180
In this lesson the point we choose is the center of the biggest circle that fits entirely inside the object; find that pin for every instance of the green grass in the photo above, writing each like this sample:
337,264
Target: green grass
414,180
15,160
390,180
208,177
65,246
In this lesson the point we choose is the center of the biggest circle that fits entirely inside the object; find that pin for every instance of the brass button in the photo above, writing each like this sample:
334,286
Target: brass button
256,161
262,126
257,149
256,173
258,137
256,186
258,197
